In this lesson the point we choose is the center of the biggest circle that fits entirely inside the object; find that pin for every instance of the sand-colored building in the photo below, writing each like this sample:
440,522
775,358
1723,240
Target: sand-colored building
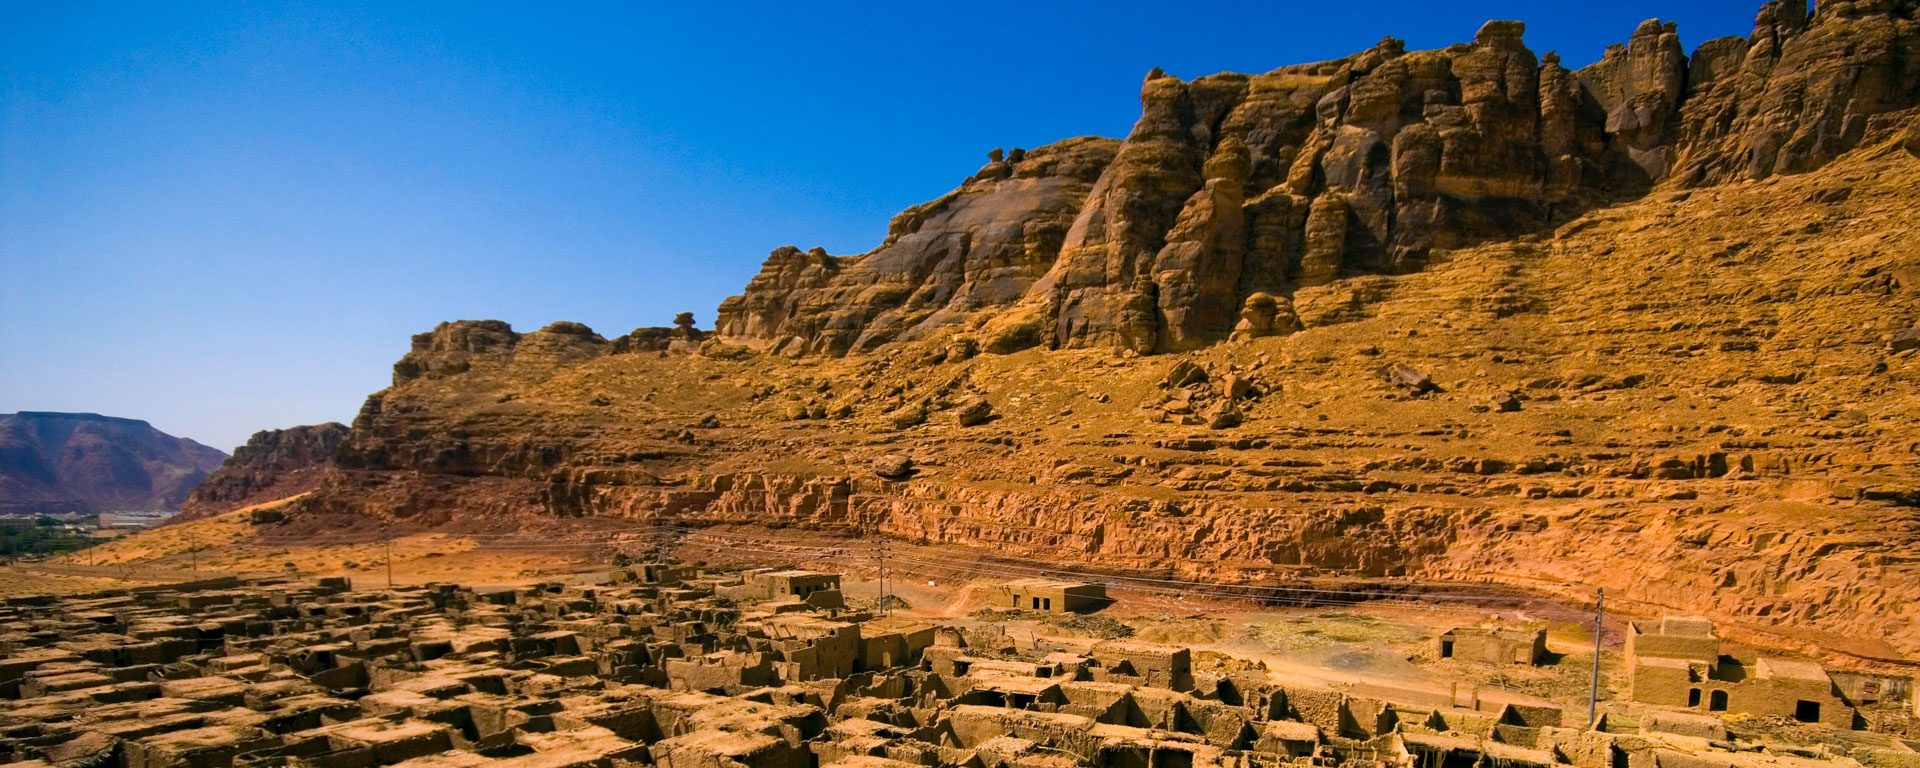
1494,645
1051,596
821,590
1677,662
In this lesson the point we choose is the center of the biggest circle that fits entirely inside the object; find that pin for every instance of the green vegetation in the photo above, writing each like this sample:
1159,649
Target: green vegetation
1091,626
45,536
1332,629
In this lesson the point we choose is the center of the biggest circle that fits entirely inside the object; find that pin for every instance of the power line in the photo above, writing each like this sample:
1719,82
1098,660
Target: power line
521,543
593,541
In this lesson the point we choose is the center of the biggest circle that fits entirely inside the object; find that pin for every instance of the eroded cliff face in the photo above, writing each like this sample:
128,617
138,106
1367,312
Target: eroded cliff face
980,246
1703,401
274,464
1458,315
1232,186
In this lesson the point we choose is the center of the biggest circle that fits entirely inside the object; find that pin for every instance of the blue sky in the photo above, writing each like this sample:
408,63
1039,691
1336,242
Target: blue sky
229,217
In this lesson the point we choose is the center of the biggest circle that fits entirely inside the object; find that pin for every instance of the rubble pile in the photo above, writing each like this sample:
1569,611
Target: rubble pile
676,666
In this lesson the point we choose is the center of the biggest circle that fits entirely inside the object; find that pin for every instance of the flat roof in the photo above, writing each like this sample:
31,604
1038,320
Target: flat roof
1788,668
1049,583
1291,730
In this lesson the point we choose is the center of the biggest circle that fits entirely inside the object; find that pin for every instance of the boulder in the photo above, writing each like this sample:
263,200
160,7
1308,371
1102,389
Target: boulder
1235,387
974,413
1407,377
1263,315
1185,373
1904,340
1223,416
892,466
909,416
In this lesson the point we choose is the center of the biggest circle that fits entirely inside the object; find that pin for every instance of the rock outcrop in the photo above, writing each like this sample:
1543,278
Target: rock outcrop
85,463
1711,385
273,465
456,347
1460,315
978,247
1232,186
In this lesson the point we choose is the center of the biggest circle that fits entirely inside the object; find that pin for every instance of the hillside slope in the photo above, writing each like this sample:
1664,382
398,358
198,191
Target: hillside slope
1234,186
1683,370
1697,401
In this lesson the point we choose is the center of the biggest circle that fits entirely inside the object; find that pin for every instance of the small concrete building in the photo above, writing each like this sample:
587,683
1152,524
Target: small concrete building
1159,666
813,647
1051,596
1494,645
799,584
1677,663
786,584
885,644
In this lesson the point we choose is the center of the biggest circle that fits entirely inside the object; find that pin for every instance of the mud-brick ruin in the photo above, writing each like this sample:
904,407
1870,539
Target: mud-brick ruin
687,668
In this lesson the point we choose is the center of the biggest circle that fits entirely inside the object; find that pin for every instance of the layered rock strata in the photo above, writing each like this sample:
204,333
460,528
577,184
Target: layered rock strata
1235,185
274,464
1408,335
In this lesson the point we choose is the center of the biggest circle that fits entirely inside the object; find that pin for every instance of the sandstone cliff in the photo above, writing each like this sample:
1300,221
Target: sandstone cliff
85,463
1703,401
1460,315
981,246
274,464
1234,186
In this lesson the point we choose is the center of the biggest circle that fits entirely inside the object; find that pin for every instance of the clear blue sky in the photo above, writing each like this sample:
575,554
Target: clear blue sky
227,217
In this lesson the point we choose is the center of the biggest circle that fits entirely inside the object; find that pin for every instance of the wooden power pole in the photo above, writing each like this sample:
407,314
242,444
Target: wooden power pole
1599,629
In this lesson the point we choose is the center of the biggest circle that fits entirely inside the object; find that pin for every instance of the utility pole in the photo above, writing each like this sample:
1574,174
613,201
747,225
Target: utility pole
1599,629
193,547
386,543
872,528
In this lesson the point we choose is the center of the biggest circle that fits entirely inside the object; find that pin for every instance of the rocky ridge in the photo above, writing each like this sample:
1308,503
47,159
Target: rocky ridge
1700,401
274,464
1232,186
1677,361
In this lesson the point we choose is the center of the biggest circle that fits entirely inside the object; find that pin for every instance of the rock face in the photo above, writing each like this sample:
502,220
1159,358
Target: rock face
1461,315
455,347
1800,91
274,464
1234,186
978,247
1710,385
84,463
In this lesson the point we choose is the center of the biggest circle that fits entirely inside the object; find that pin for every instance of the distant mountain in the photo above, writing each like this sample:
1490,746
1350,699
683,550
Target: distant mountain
52,463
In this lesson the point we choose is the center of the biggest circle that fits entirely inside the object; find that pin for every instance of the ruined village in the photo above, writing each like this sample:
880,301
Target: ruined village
680,666
1492,396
